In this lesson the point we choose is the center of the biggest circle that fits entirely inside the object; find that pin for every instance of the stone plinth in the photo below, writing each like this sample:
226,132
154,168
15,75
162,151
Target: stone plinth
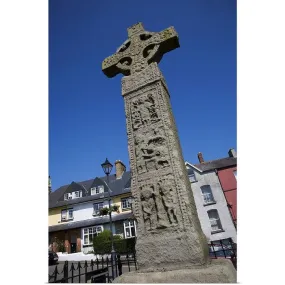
218,271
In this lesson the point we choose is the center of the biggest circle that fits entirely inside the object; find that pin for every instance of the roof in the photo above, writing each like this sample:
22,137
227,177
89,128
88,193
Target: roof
116,186
90,222
217,164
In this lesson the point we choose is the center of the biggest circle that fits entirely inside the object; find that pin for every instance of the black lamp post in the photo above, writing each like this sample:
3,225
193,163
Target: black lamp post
107,168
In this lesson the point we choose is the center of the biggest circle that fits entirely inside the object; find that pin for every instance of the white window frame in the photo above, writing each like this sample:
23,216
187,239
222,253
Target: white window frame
97,190
208,198
97,213
127,200
127,228
216,225
93,231
68,215
77,194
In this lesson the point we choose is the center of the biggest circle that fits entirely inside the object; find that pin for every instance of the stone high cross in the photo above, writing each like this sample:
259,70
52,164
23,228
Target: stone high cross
169,234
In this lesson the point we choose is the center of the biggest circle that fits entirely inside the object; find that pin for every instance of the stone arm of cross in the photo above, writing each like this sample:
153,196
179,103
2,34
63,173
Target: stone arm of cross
152,48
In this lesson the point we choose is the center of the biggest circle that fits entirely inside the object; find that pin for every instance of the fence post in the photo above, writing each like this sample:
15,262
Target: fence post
85,266
128,262
65,272
119,265
79,266
223,248
72,269
55,273
212,244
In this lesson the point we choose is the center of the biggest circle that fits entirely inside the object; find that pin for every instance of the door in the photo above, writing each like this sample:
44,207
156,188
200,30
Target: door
73,244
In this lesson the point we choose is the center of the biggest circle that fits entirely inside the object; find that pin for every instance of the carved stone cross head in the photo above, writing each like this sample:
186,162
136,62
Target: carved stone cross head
139,50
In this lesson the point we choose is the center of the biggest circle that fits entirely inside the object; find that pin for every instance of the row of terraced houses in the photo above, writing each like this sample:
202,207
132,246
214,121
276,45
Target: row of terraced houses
75,209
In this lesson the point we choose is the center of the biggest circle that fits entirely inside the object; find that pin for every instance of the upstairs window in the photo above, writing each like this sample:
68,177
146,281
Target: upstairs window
215,221
191,175
125,202
235,174
67,215
67,196
77,194
96,208
207,194
97,190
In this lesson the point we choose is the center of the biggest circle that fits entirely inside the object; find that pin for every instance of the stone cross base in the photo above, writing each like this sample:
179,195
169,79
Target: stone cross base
218,271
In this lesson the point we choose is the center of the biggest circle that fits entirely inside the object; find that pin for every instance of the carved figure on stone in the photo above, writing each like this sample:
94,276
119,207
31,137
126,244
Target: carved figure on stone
148,207
150,106
168,197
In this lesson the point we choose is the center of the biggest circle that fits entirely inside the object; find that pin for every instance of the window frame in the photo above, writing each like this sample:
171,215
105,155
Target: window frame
95,213
68,217
128,226
217,220
127,201
210,193
92,232
98,190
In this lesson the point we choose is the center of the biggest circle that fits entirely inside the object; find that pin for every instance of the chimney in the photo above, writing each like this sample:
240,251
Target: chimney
232,153
49,184
200,157
120,169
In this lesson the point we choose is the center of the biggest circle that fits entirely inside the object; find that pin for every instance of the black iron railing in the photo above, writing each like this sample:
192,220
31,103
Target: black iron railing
100,270
96,271
225,248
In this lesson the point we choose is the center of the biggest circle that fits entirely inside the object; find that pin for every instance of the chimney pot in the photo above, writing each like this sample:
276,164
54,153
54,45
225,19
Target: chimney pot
232,153
120,169
200,157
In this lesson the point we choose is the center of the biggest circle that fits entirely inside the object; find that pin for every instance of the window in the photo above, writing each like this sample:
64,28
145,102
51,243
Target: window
77,194
67,215
97,190
235,174
67,196
207,194
222,248
129,229
97,208
126,203
90,233
215,222
191,175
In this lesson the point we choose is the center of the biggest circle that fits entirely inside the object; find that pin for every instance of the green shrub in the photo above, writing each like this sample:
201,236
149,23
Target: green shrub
102,243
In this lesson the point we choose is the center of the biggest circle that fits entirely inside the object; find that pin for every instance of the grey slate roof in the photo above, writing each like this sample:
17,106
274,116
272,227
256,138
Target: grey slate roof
217,164
90,222
116,186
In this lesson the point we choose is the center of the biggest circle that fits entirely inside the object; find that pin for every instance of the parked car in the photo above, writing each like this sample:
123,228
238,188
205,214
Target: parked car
52,257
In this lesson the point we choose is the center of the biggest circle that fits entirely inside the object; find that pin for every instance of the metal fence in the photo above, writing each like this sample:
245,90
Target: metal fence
225,248
100,270
96,271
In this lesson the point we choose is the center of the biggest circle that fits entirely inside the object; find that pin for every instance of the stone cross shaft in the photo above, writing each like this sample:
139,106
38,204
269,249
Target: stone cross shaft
169,234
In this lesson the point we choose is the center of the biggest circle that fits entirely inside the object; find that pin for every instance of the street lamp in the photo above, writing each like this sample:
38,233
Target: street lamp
107,168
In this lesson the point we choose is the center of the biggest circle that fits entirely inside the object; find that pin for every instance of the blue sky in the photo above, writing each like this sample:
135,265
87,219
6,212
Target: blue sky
86,110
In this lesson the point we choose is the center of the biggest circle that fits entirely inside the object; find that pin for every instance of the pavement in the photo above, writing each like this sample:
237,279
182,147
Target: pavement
79,256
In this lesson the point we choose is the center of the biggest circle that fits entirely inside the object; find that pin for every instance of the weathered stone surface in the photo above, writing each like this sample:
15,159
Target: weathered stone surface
169,234
219,271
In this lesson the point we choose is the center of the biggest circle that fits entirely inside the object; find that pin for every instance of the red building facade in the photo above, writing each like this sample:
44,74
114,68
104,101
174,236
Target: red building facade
228,181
